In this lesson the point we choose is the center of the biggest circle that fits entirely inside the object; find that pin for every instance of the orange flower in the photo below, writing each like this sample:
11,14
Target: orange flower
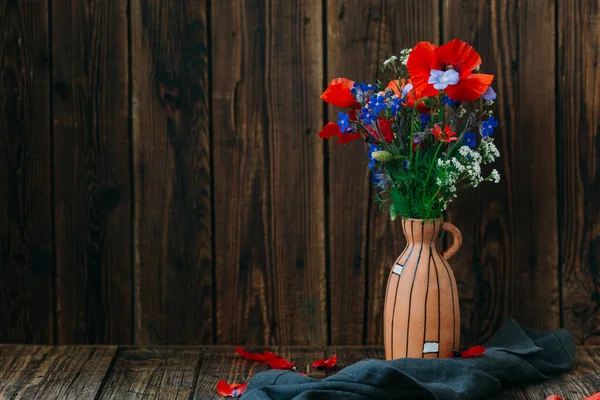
405,86
445,135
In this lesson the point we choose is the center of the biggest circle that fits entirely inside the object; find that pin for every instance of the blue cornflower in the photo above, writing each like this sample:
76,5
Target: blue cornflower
359,92
366,87
343,121
377,103
425,118
470,139
379,179
367,116
487,127
406,164
449,102
395,106
372,148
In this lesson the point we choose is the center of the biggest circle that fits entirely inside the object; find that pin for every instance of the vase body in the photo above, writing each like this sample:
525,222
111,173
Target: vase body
421,314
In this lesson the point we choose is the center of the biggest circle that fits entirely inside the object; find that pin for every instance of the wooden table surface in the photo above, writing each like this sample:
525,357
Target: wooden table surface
177,372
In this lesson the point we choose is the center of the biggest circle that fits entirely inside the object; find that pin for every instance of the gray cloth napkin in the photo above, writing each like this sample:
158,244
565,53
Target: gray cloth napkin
514,355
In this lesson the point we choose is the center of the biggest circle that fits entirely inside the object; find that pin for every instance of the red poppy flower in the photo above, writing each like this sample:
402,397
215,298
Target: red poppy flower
445,135
339,93
233,390
333,130
384,128
593,397
456,55
328,363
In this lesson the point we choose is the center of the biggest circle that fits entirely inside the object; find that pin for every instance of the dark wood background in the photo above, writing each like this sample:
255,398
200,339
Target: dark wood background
162,180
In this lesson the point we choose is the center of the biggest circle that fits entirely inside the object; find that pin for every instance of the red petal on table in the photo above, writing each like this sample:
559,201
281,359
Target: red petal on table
302,373
472,352
276,362
553,397
233,390
593,397
328,363
250,356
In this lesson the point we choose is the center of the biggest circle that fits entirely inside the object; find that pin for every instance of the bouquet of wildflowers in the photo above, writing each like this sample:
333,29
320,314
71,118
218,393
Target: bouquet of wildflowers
429,131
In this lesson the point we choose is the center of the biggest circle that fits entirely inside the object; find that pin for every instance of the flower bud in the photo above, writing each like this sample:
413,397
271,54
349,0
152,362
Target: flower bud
382,156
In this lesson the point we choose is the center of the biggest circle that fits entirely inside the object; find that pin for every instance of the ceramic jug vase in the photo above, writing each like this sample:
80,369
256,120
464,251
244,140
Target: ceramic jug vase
421,314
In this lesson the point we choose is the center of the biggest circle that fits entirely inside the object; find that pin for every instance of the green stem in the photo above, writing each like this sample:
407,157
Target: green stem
436,193
431,166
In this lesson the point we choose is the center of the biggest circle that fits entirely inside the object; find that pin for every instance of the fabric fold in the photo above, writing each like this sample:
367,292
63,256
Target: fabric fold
514,355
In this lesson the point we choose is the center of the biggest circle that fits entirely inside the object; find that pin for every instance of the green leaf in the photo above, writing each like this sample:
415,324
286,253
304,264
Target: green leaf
400,203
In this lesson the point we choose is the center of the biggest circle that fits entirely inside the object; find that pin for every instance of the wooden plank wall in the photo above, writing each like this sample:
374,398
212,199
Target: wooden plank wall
161,178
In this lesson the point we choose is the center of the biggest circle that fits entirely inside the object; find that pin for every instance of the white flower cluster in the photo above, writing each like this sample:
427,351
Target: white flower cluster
464,170
404,56
390,61
488,150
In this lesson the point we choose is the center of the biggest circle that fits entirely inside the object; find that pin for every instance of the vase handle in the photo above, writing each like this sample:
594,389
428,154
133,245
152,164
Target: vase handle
456,239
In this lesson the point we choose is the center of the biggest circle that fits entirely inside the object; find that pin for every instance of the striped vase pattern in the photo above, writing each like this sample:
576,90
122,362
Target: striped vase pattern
421,314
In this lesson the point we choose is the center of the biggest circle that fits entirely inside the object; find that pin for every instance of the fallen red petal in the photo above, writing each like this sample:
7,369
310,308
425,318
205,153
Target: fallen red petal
553,397
328,363
593,397
302,373
250,356
223,388
233,390
472,352
276,362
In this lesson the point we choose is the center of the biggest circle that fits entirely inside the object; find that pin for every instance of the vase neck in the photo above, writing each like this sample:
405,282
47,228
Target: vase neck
424,231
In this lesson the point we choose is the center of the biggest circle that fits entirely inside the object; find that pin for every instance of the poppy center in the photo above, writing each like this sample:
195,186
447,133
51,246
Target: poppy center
446,67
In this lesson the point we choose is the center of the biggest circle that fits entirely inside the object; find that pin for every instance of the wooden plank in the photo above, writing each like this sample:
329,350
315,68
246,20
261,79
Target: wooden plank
224,363
269,197
153,373
173,240
91,172
582,381
352,34
386,239
578,121
63,372
25,180
509,255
